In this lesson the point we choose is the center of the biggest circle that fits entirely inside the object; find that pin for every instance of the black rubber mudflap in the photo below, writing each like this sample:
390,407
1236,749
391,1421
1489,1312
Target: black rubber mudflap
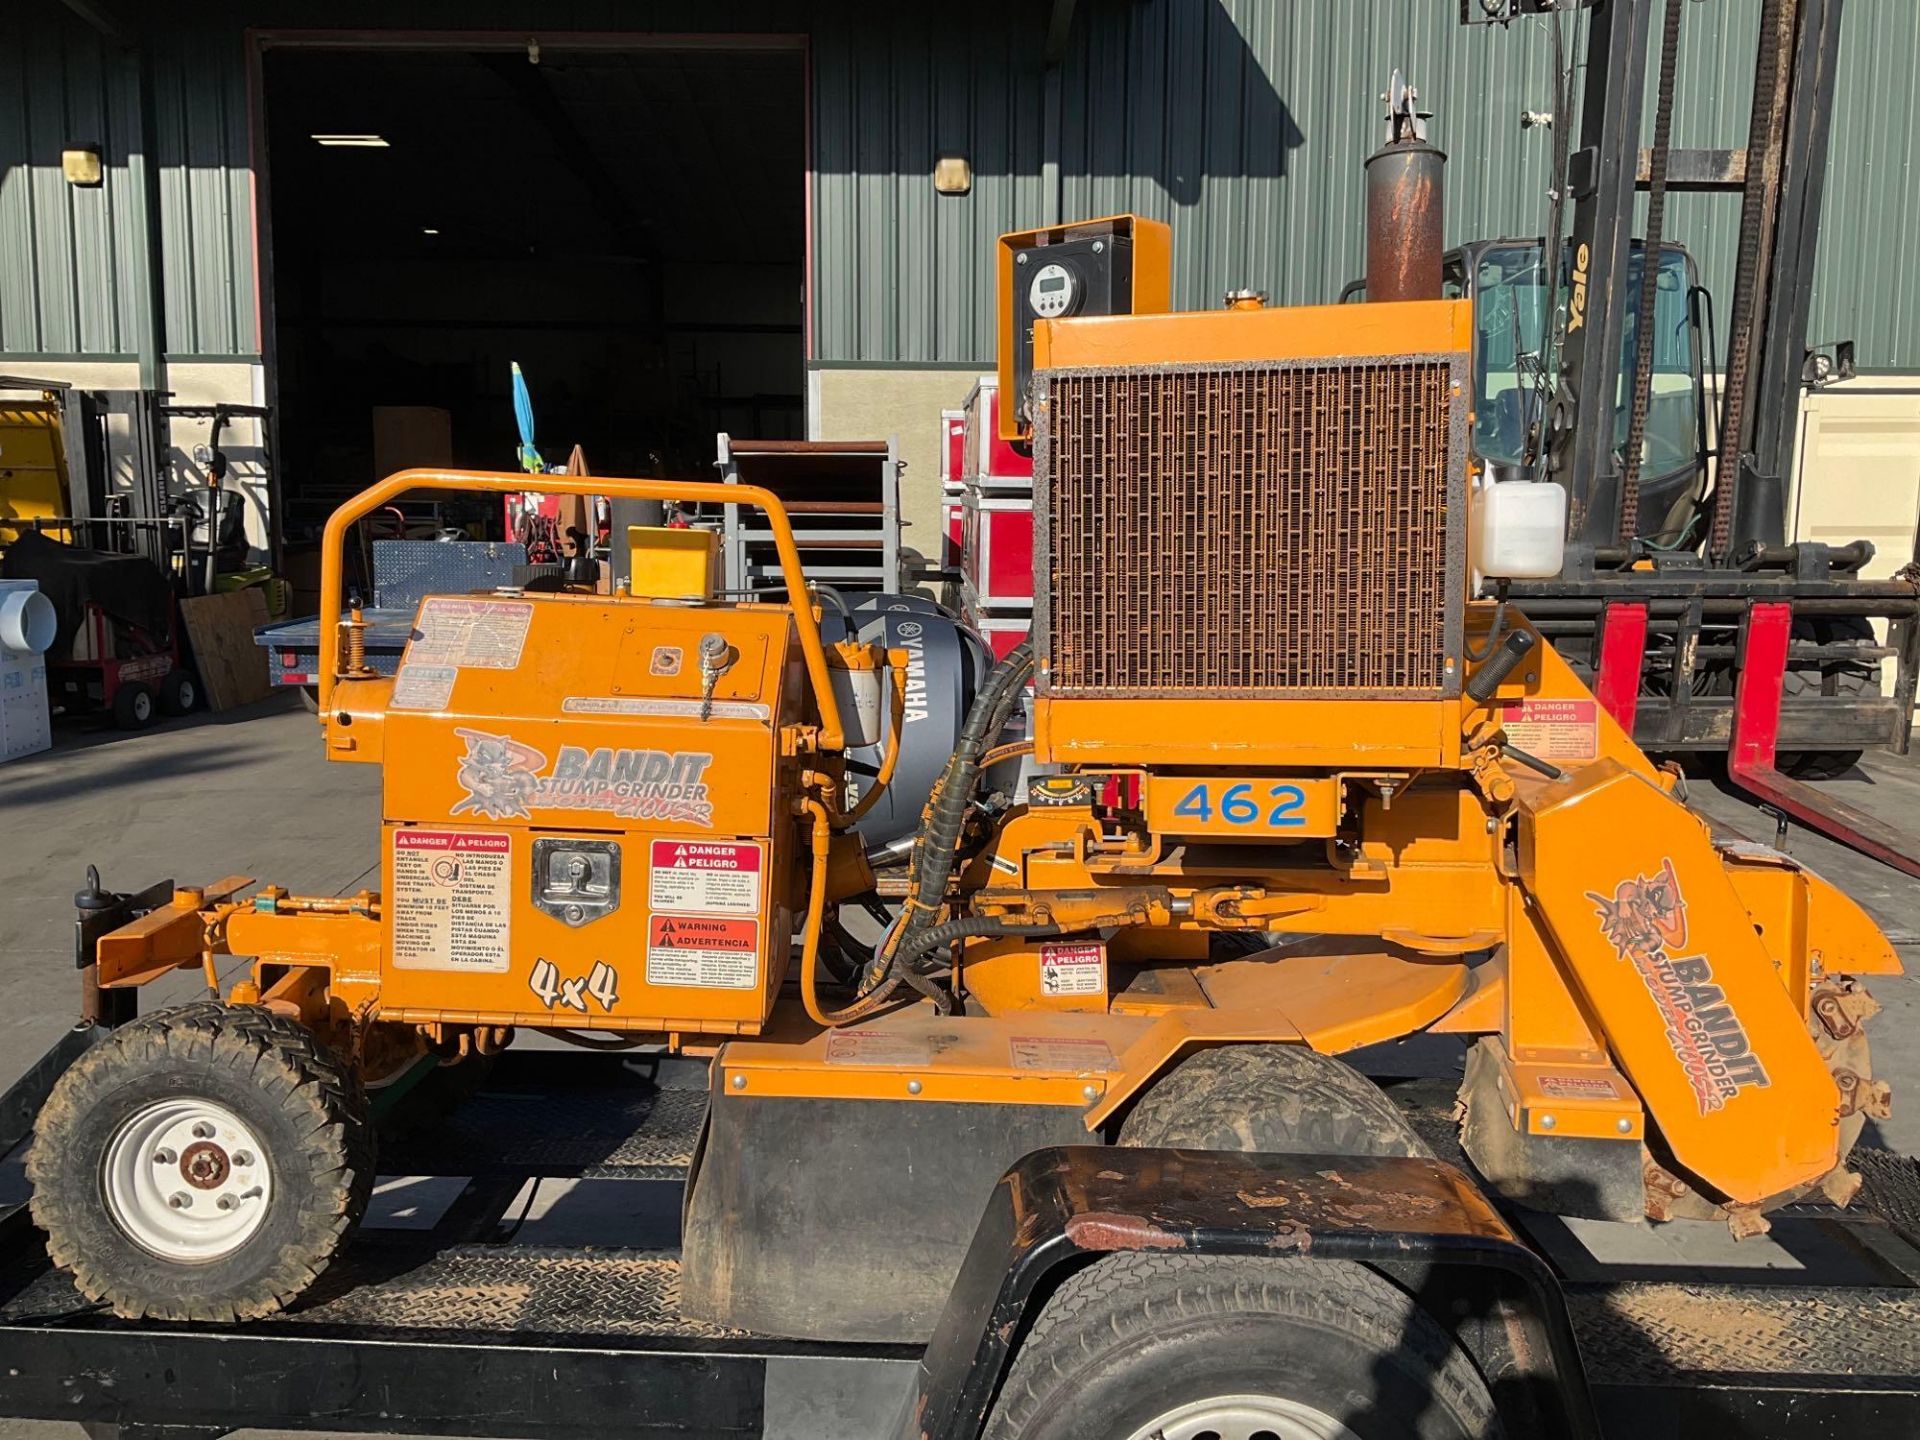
846,1220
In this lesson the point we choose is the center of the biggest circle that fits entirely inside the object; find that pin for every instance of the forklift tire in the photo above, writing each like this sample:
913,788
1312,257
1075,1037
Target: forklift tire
205,1163
1858,678
1178,1347
179,692
133,706
1822,764
1281,1099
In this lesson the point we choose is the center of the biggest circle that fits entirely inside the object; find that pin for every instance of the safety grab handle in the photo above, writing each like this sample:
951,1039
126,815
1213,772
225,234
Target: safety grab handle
694,492
1515,648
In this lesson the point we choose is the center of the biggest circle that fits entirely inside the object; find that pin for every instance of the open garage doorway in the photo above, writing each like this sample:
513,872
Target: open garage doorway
626,220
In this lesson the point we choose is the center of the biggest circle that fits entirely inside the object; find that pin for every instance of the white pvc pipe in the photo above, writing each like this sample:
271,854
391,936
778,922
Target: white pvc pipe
27,620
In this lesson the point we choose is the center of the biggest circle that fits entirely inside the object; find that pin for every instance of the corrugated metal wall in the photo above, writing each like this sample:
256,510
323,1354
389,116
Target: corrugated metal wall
206,198
66,255
1243,122
61,84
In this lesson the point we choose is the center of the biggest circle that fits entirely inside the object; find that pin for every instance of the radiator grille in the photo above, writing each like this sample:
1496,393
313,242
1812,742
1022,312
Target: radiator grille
1255,531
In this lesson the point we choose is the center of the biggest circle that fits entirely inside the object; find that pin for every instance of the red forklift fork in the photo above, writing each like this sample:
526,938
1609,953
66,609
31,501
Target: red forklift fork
1623,650
1764,636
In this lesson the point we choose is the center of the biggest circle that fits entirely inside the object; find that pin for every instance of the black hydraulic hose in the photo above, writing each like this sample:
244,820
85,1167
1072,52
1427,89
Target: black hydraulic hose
939,835
938,937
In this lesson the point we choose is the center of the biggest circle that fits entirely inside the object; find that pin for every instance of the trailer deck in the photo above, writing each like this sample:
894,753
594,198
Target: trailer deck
466,1305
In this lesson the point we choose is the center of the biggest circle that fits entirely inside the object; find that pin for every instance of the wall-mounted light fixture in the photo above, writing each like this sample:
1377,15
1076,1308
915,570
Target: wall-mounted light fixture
81,165
952,175
352,142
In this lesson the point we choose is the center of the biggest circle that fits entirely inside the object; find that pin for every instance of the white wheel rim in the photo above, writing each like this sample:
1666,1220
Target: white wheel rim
142,706
1244,1417
187,1180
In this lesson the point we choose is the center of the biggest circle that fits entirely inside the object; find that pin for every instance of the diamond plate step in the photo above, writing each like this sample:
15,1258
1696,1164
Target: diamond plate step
1641,1334
523,1289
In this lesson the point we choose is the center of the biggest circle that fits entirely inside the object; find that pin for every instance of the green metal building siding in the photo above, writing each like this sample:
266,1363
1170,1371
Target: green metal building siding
65,254
1243,122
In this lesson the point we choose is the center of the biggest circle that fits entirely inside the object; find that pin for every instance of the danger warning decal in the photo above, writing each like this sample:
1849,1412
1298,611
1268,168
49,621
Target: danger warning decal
451,908
1075,967
1554,729
507,780
453,634
710,951
1646,922
705,877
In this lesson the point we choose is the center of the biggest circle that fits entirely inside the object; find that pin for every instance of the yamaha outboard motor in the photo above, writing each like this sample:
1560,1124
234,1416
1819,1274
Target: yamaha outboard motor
948,663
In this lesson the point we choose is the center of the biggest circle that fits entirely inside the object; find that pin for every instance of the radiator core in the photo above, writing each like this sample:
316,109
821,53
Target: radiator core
1260,530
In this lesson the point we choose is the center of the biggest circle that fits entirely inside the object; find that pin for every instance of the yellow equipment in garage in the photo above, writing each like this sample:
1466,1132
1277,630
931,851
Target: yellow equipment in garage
33,466
1296,791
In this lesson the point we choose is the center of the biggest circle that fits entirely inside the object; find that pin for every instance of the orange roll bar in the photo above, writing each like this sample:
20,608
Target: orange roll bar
708,492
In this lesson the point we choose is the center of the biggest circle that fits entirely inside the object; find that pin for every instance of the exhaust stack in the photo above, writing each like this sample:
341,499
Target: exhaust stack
1406,203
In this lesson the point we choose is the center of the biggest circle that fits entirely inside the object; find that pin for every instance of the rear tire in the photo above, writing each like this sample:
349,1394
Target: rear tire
1281,1099
133,706
205,1163
1177,1347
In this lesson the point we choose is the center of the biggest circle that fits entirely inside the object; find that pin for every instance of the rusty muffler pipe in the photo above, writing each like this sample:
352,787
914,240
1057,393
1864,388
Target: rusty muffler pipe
1406,204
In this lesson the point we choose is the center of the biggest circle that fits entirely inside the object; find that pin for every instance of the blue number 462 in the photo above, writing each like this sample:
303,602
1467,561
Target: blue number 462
1197,804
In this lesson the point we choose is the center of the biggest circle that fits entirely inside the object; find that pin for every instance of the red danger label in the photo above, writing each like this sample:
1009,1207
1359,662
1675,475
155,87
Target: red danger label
463,840
705,877
1554,729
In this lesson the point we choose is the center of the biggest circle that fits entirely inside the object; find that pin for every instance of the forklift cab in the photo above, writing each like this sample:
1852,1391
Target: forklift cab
1509,288
1508,284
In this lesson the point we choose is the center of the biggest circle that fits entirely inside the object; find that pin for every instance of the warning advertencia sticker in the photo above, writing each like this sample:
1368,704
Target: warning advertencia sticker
710,951
451,900
423,687
1555,729
1577,1087
706,877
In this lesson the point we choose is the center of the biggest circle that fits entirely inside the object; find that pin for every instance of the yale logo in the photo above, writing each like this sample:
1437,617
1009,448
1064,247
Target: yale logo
1577,302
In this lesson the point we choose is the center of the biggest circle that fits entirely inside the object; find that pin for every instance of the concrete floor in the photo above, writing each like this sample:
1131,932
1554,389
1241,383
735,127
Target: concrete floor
249,792
243,792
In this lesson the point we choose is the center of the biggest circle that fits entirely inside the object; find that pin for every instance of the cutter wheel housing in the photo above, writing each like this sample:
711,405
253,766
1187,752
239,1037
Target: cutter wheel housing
1277,775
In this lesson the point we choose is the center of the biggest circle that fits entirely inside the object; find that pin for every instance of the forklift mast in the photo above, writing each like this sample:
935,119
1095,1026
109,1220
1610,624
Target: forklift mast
1733,638
1779,176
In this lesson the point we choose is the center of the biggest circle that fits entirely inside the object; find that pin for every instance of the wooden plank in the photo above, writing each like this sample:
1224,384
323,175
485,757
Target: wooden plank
233,669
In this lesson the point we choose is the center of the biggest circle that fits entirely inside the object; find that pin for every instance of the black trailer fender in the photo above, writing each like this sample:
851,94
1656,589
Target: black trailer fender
1421,1223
